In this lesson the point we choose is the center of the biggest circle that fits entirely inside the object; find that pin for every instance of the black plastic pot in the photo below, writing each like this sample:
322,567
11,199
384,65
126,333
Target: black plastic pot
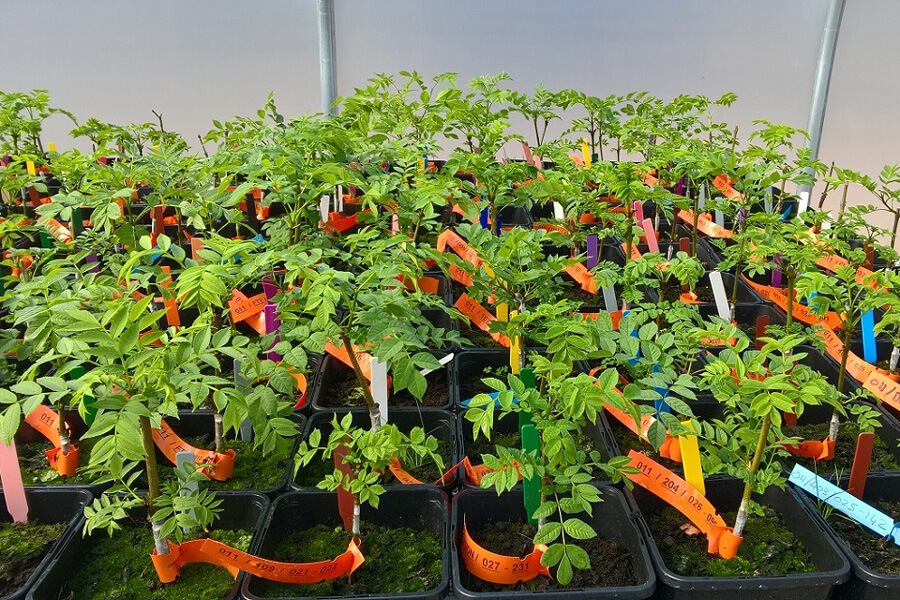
331,369
470,365
439,423
417,507
510,216
866,583
49,505
509,424
191,424
240,510
746,314
612,520
725,495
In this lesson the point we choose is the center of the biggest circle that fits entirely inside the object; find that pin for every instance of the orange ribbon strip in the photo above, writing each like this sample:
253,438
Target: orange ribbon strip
45,421
215,465
705,225
688,501
480,317
216,553
801,312
499,569
405,478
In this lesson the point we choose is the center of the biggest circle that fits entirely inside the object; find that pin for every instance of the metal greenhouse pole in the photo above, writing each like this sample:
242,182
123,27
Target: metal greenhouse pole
327,64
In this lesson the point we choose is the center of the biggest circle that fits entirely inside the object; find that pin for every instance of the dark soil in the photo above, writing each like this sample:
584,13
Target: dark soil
876,553
844,449
342,390
119,568
22,547
769,548
36,470
673,293
469,387
252,469
610,563
885,364
398,560
479,338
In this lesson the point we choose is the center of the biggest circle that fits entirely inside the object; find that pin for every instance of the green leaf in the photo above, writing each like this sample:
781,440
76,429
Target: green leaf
578,556
548,533
578,529
564,572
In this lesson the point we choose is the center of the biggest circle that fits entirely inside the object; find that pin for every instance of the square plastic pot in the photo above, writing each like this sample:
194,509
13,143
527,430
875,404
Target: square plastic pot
866,583
331,369
439,423
746,314
240,510
418,507
49,505
612,519
725,495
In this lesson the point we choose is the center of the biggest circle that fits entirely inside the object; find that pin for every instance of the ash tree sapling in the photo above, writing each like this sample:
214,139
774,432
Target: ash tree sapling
367,453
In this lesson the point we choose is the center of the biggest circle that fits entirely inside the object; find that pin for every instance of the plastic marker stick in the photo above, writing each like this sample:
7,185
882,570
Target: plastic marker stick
51,147
191,488
380,387
593,252
515,349
767,202
483,218
867,326
324,205
29,167
895,358
804,203
531,488
558,212
776,273
862,513
638,210
701,201
652,242
690,458
718,288
503,312
585,152
720,218
272,326
609,298
13,488
443,362
861,460
339,199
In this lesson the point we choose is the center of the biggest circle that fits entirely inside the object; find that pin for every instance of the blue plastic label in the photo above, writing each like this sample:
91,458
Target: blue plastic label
845,502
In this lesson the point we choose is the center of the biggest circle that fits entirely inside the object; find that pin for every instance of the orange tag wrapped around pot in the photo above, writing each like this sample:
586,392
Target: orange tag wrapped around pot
248,309
214,465
670,448
45,421
216,553
405,478
687,500
497,568
885,389
801,313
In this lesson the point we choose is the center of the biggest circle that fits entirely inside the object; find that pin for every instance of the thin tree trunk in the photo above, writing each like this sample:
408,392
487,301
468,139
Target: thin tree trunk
741,519
162,545
374,412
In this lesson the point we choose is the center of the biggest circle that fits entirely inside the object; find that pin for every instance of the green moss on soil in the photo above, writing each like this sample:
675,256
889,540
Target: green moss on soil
844,450
253,470
610,563
22,547
769,548
398,560
36,470
119,568
875,552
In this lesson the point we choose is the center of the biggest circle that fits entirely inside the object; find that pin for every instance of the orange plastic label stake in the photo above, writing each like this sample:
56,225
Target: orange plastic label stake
248,309
635,251
499,569
302,386
651,180
58,230
583,277
687,500
346,500
460,276
429,285
480,317
363,359
216,553
705,226
45,421
404,477
214,465
196,246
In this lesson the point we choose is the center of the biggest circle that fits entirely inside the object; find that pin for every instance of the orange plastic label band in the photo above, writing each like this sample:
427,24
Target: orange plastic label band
364,359
450,238
833,262
499,569
552,227
248,309
58,230
405,478
429,285
856,367
801,312
216,553
635,251
885,389
338,223
583,277
302,386
704,225
814,449
215,465
45,421
687,500
723,184
480,317
670,448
